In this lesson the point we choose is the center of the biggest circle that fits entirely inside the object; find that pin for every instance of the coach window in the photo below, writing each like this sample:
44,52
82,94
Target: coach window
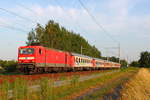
40,51
79,60
76,60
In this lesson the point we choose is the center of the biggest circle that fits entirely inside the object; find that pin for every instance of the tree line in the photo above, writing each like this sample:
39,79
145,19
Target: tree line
144,60
55,36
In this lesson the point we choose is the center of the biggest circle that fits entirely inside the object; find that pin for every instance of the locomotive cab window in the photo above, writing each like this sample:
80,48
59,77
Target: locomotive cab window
26,51
40,51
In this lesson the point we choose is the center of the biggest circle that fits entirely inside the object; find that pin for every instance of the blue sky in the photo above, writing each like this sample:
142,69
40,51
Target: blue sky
127,21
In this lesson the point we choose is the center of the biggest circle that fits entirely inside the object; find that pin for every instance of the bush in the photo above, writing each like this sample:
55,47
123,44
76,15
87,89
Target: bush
8,66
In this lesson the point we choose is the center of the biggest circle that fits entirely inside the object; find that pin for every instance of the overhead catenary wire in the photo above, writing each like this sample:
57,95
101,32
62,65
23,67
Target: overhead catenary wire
18,24
70,16
19,16
96,22
12,28
30,10
15,14
100,26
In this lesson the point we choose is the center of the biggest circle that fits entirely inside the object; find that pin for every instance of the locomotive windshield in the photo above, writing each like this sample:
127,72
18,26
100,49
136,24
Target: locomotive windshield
26,50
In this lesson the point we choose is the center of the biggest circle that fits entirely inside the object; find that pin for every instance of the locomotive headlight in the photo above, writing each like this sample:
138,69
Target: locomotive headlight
21,58
30,58
26,58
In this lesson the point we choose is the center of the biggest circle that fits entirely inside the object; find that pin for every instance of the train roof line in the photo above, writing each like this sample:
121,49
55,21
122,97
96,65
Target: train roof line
75,54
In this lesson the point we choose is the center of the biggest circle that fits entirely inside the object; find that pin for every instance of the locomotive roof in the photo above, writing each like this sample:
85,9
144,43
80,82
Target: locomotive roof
41,47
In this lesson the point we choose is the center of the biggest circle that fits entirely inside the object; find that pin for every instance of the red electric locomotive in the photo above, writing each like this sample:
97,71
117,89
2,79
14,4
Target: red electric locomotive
37,59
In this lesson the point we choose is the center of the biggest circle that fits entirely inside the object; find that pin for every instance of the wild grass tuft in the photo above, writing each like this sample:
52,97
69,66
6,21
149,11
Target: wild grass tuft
47,87
4,88
19,89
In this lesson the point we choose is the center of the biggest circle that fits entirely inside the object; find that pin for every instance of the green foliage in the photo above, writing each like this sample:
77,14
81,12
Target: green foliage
123,63
8,66
55,36
31,38
114,59
134,64
144,60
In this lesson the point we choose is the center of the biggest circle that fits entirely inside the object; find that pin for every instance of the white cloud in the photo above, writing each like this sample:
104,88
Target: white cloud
117,21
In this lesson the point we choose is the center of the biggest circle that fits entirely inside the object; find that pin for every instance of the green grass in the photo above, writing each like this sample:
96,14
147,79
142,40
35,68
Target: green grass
106,89
66,92
77,87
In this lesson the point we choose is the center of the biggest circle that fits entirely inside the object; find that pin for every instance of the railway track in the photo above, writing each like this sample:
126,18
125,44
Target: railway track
55,76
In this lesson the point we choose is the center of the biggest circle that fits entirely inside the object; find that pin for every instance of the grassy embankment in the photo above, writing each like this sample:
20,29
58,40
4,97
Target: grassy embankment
139,87
107,87
20,89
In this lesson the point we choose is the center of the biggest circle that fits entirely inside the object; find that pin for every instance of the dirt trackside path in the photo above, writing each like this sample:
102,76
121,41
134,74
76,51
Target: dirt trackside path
106,90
